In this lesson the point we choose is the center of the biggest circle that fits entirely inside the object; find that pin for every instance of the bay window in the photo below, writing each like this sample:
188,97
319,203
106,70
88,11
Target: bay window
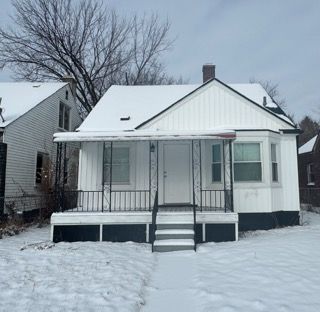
247,162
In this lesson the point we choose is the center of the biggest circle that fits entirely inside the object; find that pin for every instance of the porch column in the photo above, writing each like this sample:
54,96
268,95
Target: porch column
231,176
153,171
110,180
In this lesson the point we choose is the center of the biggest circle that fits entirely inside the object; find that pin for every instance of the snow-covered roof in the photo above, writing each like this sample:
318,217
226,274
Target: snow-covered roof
308,147
136,104
19,97
94,136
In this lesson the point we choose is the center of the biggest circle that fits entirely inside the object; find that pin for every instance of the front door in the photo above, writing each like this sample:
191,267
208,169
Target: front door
176,173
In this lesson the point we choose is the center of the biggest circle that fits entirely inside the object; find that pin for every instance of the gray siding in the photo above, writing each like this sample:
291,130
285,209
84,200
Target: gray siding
32,133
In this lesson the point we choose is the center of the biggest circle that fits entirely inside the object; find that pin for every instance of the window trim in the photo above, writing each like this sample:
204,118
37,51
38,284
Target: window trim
250,161
309,173
65,106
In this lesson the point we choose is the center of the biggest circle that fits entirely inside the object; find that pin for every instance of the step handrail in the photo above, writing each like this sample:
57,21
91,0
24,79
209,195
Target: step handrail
154,219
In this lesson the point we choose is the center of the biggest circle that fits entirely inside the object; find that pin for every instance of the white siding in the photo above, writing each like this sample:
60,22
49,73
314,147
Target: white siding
215,106
32,133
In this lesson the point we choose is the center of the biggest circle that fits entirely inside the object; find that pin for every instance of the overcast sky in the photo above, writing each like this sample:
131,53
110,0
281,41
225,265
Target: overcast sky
269,40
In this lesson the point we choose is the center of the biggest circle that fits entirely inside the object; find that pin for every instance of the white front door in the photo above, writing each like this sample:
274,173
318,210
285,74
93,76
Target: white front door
176,173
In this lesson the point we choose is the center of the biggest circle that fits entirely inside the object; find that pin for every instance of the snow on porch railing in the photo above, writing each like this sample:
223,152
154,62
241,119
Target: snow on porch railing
99,201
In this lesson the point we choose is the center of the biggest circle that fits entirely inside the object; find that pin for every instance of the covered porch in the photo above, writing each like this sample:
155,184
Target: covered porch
186,170
172,189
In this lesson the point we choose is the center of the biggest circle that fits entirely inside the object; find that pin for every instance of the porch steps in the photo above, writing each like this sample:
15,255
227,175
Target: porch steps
174,231
174,234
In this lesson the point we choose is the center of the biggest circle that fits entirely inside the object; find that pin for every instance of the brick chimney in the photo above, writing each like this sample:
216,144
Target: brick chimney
72,82
208,72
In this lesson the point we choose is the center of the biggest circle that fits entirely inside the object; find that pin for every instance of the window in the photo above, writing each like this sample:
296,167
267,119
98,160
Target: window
67,95
42,167
274,163
120,165
216,163
310,172
247,162
64,116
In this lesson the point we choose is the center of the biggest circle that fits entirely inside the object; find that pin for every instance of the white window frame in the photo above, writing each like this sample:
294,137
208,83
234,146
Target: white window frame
132,164
309,173
250,161
64,108
275,162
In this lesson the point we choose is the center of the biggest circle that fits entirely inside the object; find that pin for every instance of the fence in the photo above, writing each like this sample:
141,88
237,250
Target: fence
310,196
42,204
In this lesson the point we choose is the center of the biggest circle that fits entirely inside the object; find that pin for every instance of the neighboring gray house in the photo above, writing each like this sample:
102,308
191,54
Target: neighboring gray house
30,114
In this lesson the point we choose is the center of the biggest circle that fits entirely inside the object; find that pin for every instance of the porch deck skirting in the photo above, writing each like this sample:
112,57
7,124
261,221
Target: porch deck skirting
136,226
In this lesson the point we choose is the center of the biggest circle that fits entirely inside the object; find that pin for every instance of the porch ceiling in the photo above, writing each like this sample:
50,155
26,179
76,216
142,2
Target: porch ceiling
143,135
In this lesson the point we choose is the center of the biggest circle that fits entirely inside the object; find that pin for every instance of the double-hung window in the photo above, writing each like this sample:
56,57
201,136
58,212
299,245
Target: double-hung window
216,163
274,163
247,162
64,116
310,173
117,165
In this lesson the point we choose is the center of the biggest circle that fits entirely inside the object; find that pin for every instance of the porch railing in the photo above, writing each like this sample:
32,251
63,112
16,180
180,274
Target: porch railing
100,201
216,200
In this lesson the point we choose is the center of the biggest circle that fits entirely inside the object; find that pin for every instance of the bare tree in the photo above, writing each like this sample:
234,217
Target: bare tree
84,39
272,90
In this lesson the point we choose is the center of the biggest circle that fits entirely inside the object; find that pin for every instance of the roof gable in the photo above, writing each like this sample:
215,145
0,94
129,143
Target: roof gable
125,108
20,97
216,104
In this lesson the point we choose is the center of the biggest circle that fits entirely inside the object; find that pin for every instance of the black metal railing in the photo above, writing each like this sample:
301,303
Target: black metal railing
216,200
102,201
154,219
310,196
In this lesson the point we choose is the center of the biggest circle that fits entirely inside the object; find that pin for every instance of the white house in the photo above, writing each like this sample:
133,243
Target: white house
176,165
30,114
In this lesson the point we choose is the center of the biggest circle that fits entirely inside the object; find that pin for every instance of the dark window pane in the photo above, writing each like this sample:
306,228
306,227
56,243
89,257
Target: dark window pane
39,168
66,118
61,109
247,172
216,153
274,172
216,172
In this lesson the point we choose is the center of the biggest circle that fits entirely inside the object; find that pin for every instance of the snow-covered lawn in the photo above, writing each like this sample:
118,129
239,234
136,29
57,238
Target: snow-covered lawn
276,270
84,276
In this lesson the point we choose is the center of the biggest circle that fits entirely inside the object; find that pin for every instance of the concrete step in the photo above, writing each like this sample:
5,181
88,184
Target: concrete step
172,226
167,245
174,218
174,234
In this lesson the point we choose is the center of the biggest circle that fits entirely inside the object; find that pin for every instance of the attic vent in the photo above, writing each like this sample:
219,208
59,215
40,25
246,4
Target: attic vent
36,86
125,118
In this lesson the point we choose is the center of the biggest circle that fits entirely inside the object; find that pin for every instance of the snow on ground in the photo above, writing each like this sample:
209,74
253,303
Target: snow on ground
277,270
84,276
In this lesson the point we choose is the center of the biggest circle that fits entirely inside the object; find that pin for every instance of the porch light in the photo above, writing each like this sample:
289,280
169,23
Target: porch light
152,148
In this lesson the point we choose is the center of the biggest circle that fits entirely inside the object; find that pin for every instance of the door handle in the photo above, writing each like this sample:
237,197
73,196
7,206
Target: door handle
164,174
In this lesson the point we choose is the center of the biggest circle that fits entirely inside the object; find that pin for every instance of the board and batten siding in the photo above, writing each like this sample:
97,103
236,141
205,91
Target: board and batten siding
215,106
32,133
